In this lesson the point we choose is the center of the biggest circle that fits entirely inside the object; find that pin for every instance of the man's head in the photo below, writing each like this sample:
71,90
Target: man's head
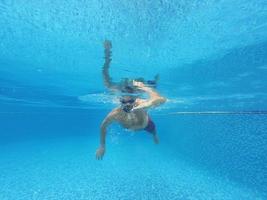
128,89
127,102
127,86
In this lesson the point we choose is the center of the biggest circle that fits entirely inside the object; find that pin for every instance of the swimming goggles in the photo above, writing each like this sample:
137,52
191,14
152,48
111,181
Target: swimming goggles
123,101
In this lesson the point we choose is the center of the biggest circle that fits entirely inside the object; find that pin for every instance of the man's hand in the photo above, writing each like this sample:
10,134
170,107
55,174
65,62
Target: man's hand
100,153
107,44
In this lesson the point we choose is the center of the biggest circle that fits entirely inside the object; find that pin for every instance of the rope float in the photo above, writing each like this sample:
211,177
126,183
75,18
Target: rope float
218,113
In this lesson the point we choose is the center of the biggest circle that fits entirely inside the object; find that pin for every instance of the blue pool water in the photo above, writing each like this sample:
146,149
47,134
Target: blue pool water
211,57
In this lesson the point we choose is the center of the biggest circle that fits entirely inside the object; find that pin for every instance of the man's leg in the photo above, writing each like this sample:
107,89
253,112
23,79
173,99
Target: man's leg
151,128
155,136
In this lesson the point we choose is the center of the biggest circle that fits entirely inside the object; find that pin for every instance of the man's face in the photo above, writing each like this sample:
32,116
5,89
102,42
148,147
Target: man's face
127,104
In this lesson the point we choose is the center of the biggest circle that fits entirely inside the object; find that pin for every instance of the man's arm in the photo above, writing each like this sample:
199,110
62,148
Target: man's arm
105,70
154,100
111,117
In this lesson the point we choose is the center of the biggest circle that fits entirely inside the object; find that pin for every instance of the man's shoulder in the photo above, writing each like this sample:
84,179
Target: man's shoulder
115,112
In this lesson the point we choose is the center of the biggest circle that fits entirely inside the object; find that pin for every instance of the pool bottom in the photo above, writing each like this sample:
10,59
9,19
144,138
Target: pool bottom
133,168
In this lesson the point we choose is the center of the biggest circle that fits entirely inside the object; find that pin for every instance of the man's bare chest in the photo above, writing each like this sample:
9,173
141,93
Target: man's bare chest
133,120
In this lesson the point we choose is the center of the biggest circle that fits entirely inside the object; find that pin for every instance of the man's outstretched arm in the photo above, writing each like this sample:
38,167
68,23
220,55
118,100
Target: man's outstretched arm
103,131
105,70
155,98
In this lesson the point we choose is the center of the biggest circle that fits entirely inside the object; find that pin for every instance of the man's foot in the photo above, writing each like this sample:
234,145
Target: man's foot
153,83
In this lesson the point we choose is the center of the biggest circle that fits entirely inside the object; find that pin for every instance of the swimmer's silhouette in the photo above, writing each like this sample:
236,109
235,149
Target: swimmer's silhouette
131,114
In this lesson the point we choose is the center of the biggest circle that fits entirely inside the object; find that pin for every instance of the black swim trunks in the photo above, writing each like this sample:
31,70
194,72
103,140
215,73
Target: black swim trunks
151,127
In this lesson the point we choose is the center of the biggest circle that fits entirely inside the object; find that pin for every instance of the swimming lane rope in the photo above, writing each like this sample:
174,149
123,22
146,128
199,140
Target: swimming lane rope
218,113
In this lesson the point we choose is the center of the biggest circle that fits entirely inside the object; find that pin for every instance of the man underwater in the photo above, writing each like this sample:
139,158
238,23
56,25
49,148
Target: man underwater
132,115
